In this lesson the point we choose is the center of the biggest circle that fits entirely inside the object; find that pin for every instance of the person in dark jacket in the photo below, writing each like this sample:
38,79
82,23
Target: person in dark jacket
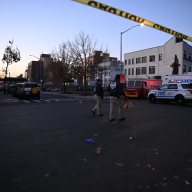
98,97
116,94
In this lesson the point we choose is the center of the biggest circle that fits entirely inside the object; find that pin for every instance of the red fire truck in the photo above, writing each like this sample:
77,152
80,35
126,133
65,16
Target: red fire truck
139,88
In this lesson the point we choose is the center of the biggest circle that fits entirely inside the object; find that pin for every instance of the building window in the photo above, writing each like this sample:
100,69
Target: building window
189,70
144,59
178,40
152,58
160,57
143,70
129,71
129,61
133,61
152,70
184,54
190,56
184,69
138,71
138,60
132,73
125,71
125,62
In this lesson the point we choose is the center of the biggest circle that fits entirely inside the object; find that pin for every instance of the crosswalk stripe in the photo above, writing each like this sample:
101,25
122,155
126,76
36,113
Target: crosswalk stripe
37,101
14,101
46,100
25,101
49,100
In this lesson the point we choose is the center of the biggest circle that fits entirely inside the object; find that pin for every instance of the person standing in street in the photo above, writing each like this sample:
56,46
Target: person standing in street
116,94
98,97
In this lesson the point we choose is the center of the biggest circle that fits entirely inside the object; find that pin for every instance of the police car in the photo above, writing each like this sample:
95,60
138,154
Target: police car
178,91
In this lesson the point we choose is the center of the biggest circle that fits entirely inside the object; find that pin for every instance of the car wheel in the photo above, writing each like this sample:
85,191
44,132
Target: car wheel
152,99
180,100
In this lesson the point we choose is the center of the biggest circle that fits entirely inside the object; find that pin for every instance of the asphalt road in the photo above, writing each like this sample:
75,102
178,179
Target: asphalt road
44,148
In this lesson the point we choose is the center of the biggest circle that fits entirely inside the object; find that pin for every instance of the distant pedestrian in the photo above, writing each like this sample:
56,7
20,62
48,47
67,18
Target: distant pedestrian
116,94
98,97
5,89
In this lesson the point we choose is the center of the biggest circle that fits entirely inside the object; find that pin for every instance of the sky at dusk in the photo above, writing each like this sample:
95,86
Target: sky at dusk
39,26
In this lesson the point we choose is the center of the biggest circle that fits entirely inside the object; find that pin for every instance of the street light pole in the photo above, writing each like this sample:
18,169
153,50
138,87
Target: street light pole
121,37
35,57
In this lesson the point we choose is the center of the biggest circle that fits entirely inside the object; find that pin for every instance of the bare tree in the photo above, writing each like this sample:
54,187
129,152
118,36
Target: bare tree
60,67
10,55
82,51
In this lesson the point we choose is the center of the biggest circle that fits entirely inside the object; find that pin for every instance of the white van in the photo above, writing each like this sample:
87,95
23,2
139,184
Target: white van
186,78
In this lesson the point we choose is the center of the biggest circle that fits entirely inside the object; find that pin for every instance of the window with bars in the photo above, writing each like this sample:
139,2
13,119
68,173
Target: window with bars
138,71
138,60
143,70
132,72
151,69
144,59
129,71
151,58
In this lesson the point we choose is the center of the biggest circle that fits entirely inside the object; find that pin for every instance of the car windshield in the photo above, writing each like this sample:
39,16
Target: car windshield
131,84
29,85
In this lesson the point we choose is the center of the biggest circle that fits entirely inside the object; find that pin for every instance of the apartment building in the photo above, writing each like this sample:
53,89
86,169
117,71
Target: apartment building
156,62
38,71
106,66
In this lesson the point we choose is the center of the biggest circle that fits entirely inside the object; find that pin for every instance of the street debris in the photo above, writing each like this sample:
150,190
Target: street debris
119,164
187,182
163,182
156,151
99,150
131,138
137,165
149,166
91,140
47,175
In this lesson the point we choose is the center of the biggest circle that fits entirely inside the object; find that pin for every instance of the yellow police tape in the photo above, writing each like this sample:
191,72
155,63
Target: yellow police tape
133,17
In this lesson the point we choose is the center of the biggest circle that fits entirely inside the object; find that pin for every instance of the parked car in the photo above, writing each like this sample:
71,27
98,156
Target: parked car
180,92
28,90
11,88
